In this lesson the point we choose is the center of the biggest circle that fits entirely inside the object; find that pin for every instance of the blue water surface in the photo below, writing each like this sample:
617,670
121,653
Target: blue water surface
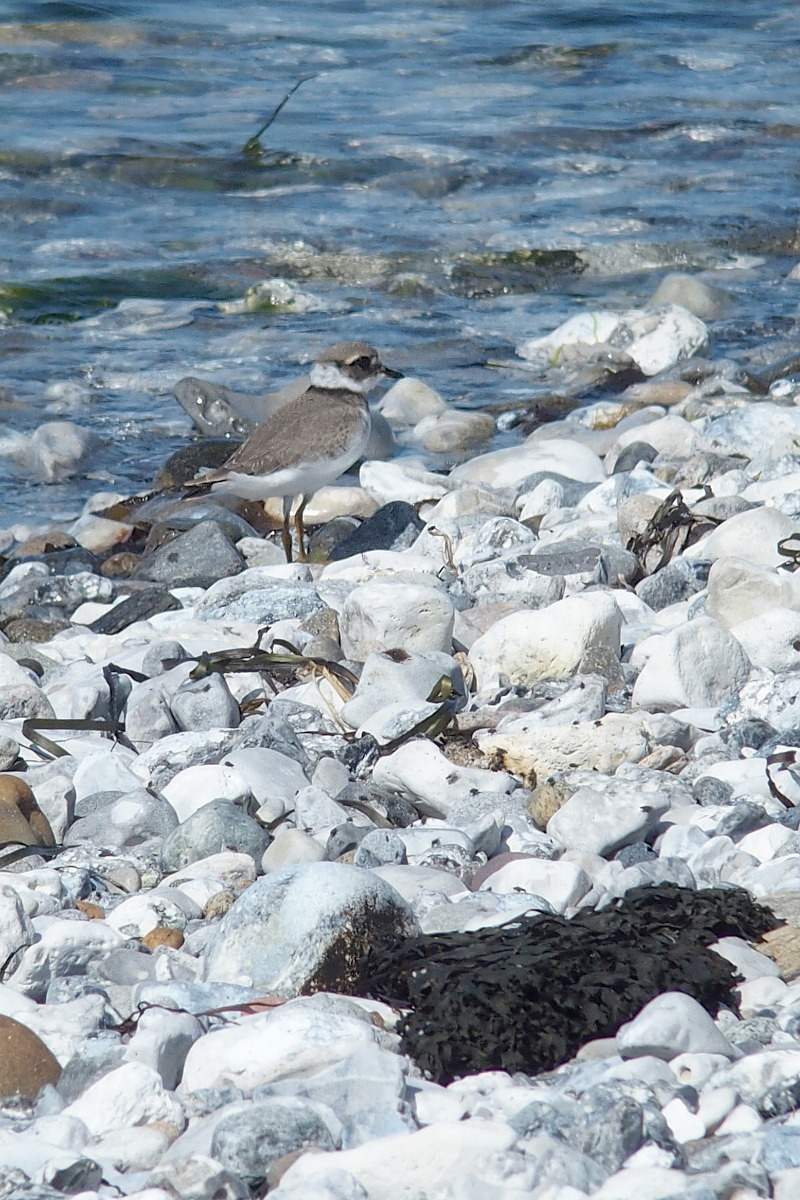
453,177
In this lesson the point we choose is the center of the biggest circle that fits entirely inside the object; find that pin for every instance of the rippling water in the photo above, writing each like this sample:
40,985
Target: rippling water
455,176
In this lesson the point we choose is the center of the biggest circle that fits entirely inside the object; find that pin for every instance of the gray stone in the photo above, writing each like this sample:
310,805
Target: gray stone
631,455
138,607
67,592
23,700
125,820
205,704
272,730
677,581
163,656
513,577
98,1055
196,1178
305,927
598,563
148,716
250,1139
573,489
344,838
394,526
609,1126
196,558
216,826
378,847
780,1148
703,299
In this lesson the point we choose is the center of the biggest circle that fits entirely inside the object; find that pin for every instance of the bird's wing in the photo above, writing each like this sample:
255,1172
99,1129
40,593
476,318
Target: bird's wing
318,424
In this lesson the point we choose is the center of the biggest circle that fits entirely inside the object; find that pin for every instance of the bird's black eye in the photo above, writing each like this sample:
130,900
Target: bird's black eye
364,363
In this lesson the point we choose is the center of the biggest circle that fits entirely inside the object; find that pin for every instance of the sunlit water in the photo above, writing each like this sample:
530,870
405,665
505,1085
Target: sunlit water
453,178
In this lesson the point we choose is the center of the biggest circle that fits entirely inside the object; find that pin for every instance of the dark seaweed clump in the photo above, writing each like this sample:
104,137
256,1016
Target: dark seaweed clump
525,997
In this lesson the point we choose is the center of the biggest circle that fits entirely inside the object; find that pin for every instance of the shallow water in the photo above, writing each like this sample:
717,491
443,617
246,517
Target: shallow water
454,177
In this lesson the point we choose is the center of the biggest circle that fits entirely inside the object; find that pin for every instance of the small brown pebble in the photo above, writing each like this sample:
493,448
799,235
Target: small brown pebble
29,629
54,539
120,565
21,819
279,1166
547,798
26,1064
163,937
93,911
219,904
661,391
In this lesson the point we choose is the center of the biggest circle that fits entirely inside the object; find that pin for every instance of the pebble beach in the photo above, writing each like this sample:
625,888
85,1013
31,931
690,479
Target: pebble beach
462,860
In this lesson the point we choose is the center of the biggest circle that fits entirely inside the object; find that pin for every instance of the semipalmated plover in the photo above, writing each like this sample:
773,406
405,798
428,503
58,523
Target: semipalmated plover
310,441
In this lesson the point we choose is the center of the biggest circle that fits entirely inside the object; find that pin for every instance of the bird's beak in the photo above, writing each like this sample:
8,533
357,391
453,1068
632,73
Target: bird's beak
391,373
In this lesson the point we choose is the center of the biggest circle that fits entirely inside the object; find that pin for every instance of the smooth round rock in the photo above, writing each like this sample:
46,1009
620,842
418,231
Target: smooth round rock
254,1136
21,819
703,299
205,704
217,826
196,558
672,1024
26,1064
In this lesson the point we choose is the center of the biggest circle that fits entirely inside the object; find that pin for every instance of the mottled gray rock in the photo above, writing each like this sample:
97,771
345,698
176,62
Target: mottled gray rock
125,820
196,558
305,926
148,716
9,750
378,847
163,656
23,699
259,595
205,704
198,1176
254,1135
678,580
98,1055
272,730
216,826
513,577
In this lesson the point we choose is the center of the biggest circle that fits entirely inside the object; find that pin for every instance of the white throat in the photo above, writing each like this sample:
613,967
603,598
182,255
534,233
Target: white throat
328,375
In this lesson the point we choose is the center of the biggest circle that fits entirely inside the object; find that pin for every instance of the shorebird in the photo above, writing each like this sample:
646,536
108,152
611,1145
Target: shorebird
310,441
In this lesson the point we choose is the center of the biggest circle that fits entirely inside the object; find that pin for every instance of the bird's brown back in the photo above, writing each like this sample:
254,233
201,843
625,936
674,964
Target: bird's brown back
318,424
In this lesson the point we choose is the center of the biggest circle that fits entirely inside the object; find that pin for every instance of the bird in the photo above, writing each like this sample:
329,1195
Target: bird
308,442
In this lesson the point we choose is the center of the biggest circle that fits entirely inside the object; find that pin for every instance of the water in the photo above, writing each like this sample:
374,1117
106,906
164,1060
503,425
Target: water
455,176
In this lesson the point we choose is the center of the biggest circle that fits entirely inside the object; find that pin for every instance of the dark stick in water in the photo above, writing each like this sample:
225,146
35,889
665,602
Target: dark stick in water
253,144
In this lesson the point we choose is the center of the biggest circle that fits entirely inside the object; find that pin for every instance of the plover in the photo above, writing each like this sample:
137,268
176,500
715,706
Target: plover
310,441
